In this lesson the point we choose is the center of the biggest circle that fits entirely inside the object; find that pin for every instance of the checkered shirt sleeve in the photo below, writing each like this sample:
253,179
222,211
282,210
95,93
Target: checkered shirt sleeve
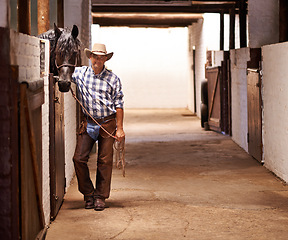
100,94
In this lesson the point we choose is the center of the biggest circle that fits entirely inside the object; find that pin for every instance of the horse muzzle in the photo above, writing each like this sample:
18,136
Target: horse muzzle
64,86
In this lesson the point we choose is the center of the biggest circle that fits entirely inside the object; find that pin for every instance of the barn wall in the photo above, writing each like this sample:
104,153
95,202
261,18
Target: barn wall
275,108
263,22
239,115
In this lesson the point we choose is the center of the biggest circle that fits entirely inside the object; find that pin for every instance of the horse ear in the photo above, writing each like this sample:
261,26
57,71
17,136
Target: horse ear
57,31
75,32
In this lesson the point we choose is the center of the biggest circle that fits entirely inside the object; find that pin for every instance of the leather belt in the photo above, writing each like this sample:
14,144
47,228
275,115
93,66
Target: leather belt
100,120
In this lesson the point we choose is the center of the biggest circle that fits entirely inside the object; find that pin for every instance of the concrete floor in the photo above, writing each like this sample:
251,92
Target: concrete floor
181,183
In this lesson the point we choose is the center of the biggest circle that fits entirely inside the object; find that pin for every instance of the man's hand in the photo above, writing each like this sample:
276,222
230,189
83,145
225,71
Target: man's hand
120,134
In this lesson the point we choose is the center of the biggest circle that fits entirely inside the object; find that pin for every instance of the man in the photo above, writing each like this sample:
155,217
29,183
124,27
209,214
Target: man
100,93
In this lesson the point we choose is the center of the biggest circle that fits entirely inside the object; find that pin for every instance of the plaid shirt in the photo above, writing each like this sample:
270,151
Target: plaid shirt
100,94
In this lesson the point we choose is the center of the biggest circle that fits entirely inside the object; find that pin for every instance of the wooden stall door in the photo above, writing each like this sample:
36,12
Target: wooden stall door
57,147
213,75
32,217
254,114
254,105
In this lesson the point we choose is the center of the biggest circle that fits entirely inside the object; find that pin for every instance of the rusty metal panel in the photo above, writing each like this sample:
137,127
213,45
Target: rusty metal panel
57,147
214,101
254,114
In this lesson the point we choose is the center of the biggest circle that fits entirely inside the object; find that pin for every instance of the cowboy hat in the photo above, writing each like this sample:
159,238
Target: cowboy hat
98,49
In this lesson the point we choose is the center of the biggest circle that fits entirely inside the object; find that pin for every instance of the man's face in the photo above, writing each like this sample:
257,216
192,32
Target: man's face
98,61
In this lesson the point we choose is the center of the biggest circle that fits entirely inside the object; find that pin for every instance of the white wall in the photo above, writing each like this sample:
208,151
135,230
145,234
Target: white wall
152,64
263,16
46,138
239,113
197,40
275,108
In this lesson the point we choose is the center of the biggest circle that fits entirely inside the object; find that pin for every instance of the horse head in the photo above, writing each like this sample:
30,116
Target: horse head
67,55
64,54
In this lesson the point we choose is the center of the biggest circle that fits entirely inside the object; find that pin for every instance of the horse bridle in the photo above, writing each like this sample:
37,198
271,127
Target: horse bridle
66,64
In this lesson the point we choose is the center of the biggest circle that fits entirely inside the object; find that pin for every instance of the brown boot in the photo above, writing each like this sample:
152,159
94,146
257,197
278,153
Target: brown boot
89,204
99,204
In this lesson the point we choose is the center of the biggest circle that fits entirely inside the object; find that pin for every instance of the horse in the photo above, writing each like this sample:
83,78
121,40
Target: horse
65,54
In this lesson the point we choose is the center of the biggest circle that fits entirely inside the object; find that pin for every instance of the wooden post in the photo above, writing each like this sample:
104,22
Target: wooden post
221,31
242,19
24,16
283,21
232,29
60,13
43,16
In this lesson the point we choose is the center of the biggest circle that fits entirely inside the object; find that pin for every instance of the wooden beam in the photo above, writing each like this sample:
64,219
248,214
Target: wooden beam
145,20
161,8
232,29
43,16
60,13
221,31
283,20
24,16
243,23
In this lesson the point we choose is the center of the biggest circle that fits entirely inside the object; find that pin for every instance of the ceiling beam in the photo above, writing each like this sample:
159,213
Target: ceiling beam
145,20
196,8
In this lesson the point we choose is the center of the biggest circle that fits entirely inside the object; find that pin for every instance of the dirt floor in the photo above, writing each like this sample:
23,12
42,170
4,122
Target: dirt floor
181,183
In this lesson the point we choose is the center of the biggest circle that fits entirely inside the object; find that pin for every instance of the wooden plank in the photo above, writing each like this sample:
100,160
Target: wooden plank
144,20
213,94
232,29
60,13
43,16
24,16
165,8
221,31
243,23
283,20
32,145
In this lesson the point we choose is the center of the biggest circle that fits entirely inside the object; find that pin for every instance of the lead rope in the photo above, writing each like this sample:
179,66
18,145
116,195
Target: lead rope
118,146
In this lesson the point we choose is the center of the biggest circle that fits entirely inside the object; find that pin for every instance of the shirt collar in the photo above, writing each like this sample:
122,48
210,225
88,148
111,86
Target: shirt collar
99,74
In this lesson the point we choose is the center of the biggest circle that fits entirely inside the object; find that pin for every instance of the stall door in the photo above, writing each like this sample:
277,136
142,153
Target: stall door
254,114
254,104
32,216
213,76
57,147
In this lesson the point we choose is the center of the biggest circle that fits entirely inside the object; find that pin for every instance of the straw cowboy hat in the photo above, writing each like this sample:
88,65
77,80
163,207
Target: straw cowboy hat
98,49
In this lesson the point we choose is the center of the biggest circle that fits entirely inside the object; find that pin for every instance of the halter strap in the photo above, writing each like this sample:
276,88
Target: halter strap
66,64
